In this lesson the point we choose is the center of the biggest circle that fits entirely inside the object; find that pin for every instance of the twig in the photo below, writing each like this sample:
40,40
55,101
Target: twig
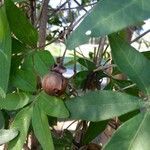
43,23
78,21
64,9
69,29
105,50
32,11
104,67
127,87
71,124
75,64
58,9
53,40
68,32
100,50
80,53
38,17
63,57
80,5
134,40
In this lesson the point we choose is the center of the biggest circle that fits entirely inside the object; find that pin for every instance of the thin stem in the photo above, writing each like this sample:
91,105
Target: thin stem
80,5
104,67
105,50
43,23
92,4
127,87
53,40
32,11
58,9
75,65
71,124
80,53
63,57
100,50
134,40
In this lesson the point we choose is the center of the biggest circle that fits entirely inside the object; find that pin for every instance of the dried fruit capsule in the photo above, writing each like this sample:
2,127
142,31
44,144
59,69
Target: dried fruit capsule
54,83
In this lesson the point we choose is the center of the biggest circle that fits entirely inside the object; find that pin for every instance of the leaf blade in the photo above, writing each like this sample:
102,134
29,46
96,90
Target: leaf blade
19,24
21,123
101,105
25,80
132,135
108,17
52,106
43,61
7,135
5,52
14,101
94,129
41,128
132,62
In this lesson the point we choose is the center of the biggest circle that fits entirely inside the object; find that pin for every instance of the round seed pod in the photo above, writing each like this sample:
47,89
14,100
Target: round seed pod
54,83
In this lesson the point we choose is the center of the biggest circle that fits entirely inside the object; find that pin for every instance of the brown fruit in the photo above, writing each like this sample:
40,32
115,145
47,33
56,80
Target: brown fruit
54,83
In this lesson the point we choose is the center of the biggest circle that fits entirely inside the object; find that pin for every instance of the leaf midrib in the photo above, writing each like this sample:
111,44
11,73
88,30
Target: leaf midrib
113,14
42,119
110,103
130,65
27,82
136,134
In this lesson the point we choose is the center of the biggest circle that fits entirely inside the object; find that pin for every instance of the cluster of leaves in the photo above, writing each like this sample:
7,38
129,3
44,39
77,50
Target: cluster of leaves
21,64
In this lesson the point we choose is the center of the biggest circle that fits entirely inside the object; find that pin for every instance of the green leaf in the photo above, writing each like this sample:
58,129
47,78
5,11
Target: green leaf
41,128
80,79
7,135
132,135
126,83
129,115
94,129
14,101
2,93
64,142
25,80
131,62
146,54
43,61
5,52
108,17
28,62
21,123
40,61
101,105
2,121
52,106
20,25
87,63
16,61
17,46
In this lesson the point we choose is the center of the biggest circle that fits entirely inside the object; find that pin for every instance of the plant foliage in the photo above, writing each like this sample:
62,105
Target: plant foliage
25,108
